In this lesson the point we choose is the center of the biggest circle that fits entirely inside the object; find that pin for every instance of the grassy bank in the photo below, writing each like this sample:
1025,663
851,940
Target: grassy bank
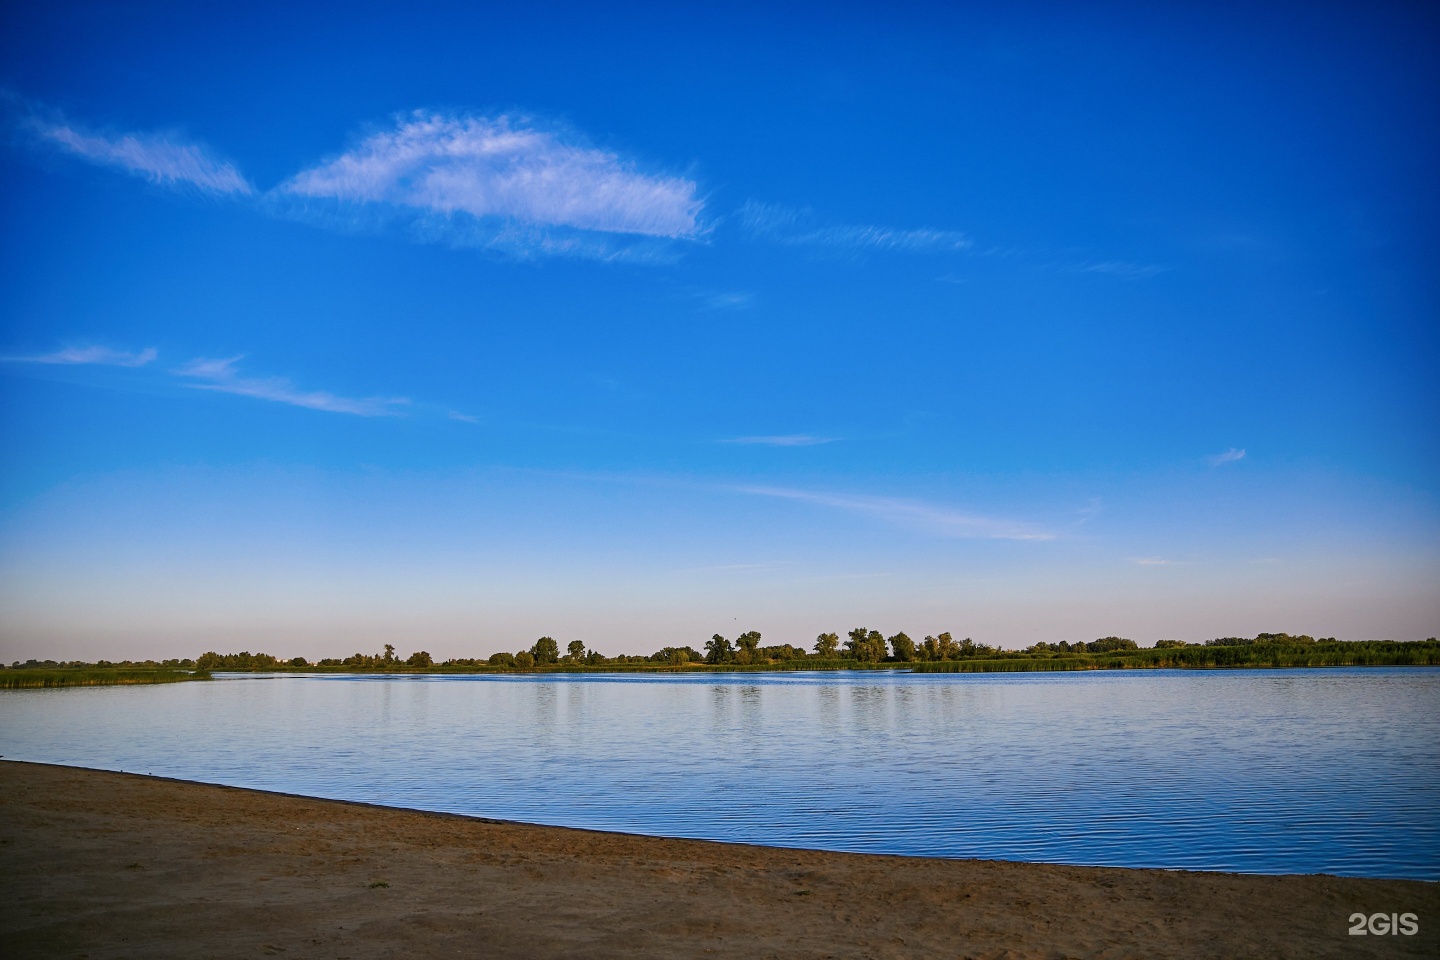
91,677
1346,654
958,658
1350,654
400,669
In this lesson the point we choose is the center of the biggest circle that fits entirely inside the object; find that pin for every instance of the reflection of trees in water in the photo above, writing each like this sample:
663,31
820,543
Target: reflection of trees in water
869,711
417,699
827,699
722,709
752,715
387,705
575,699
544,712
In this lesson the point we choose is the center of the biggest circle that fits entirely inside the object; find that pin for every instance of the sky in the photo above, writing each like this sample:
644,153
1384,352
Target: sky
455,325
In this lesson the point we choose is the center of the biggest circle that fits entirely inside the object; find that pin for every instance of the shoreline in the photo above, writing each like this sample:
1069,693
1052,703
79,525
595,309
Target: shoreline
590,831
699,671
961,667
113,864
1277,651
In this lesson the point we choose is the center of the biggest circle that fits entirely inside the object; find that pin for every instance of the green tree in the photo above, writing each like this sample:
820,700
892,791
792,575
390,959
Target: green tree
855,644
867,646
782,652
546,650
949,649
524,659
942,647
747,642
389,656
1109,644
1284,638
676,655
903,647
875,646
718,650
1228,642
826,644
502,659
575,651
419,659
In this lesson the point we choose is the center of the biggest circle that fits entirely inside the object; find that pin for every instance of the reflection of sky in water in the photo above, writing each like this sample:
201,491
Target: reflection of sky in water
1301,771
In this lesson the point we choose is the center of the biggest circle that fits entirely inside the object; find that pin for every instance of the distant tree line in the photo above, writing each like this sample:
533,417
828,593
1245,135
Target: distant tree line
79,673
1283,639
1103,645
1266,650
862,647
32,664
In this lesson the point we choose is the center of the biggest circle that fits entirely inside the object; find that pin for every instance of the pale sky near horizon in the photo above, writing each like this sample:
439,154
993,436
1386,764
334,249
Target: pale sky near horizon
454,325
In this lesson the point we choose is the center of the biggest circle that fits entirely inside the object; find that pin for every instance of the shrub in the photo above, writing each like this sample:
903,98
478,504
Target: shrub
1110,644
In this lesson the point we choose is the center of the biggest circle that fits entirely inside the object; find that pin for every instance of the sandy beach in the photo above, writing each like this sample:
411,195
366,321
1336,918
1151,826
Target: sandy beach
118,865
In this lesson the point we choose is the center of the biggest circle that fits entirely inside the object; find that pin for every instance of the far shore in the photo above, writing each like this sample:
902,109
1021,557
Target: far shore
1269,651
101,864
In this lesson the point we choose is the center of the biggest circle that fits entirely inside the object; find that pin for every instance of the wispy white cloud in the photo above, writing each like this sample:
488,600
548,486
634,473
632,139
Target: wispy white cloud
221,376
730,567
502,181
785,440
1229,456
224,376
798,228
164,158
100,356
735,300
1123,269
909,513
508,184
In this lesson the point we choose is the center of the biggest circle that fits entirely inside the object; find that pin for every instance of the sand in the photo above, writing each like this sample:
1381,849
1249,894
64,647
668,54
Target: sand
102,864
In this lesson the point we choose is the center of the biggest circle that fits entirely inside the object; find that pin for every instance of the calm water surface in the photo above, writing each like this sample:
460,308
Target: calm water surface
1284,771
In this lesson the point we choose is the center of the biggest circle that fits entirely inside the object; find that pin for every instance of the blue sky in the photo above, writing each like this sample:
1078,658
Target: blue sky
452,326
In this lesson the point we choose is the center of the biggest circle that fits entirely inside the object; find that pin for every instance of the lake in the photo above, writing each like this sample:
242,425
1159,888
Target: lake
1260,771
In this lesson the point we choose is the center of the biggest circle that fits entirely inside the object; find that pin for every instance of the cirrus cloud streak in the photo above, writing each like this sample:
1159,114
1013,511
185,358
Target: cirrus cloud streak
222,377
785,440
913,514
92,355
766,221
165,159
506,168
